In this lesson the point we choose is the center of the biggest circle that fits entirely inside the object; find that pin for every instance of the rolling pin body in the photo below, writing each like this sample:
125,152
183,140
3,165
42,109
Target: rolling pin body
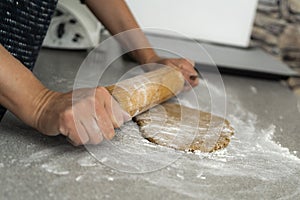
142,92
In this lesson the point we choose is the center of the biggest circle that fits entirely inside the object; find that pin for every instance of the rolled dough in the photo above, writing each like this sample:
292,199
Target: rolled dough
184,128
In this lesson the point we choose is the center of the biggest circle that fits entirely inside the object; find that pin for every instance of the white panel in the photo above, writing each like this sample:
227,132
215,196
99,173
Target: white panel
221,21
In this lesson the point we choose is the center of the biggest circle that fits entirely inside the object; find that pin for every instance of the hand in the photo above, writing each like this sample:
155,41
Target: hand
184,65
85,116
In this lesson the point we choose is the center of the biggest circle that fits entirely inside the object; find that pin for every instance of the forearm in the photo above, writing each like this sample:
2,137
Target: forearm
116,17
20,91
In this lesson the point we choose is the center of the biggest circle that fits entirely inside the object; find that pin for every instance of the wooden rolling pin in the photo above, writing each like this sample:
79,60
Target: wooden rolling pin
142,92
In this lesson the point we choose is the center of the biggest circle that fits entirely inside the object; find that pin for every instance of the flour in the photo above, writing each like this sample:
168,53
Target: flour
251,155
46,153
253,89
253,165
54,159
180,176
78,178
87,161
54,169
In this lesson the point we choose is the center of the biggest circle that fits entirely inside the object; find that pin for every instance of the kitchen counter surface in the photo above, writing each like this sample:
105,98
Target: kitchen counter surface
261,162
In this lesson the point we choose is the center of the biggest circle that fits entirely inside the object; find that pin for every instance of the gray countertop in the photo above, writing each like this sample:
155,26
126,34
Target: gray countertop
261,162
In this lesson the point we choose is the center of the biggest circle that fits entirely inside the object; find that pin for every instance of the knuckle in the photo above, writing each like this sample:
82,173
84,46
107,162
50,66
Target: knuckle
167,62
90,99
184,61
68,113
66,116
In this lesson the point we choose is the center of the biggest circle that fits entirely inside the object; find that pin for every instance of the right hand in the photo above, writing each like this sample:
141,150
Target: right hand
85,116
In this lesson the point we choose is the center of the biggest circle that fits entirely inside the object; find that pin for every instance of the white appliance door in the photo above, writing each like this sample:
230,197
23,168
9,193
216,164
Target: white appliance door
220,21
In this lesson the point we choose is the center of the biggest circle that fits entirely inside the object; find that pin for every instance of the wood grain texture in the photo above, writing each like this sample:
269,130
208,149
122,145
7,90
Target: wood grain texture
140,93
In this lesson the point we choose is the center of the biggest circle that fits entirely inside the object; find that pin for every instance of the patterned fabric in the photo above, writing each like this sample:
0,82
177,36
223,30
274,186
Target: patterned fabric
23,26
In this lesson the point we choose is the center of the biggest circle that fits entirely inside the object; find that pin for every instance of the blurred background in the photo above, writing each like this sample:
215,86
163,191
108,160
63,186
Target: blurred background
277,31
238,33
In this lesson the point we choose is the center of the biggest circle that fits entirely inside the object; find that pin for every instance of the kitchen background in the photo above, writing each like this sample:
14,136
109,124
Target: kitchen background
277,30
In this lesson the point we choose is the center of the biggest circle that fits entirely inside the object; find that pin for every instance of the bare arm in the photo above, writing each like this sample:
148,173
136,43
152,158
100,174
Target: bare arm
20,91
52,112
116,17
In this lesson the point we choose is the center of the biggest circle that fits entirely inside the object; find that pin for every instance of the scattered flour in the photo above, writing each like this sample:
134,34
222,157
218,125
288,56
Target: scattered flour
54,169
180,176
252,161
87,161
46,153
253,89
251,155
78,178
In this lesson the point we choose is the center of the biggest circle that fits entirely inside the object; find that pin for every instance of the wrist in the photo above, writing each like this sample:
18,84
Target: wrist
148,63
151,59
144,56
42,106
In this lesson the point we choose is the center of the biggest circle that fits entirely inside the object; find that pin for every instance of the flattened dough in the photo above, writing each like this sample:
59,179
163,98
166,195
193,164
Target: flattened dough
184,128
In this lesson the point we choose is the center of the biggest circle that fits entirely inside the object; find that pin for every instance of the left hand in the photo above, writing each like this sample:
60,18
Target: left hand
184,65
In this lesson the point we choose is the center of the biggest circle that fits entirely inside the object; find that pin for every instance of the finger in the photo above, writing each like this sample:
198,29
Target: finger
105,101
88,123
190,70
72,129
195,82
185,66
187,69
191,75
105,124
77,134
190,81
91,127
186,73
187,62
114,111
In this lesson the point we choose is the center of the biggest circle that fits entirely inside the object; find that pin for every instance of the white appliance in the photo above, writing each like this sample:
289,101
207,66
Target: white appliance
73,26
225,22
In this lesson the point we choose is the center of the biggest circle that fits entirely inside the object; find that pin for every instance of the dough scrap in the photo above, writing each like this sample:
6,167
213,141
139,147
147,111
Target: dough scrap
184,128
